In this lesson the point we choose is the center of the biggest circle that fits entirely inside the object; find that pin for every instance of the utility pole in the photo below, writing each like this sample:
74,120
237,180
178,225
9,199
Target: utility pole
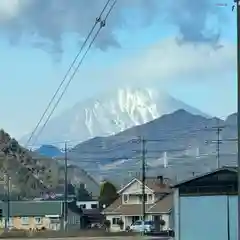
7,218
237,2
143,141
65,187
217,141
7,200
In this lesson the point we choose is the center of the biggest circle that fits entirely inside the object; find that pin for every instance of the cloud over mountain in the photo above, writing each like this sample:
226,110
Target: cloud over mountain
47,21
167,61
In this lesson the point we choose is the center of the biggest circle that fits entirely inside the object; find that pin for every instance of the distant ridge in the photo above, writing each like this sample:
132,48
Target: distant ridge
49,151
181,134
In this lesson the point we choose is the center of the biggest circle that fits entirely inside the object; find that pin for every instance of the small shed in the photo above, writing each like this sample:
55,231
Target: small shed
206,206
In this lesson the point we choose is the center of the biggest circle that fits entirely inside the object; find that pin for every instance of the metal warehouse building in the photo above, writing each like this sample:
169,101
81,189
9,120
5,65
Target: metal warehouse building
206,207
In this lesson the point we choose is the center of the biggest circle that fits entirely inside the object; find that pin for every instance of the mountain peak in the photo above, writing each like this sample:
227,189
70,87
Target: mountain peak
111,113
181,112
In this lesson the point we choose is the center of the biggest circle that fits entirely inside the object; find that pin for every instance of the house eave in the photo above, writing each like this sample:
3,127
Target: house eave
119,213
203,175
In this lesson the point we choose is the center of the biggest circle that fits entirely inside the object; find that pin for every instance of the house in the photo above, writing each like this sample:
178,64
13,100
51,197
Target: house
88,204
85,200
33,215
91,217
206,206
128,207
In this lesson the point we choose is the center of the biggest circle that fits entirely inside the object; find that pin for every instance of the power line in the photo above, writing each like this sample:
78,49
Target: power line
188,130
127,138
217,141
102,24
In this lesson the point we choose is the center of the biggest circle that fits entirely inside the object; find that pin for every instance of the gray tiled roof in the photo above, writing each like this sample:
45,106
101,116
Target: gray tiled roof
32,208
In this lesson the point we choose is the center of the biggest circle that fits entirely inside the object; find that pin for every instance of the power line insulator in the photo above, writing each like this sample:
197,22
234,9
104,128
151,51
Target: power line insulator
98,19
103,23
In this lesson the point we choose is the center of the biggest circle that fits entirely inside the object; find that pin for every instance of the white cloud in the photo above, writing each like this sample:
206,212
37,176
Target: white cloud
45,22
9,9
168,61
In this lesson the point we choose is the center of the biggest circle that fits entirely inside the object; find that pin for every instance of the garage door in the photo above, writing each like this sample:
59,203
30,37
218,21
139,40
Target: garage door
208,218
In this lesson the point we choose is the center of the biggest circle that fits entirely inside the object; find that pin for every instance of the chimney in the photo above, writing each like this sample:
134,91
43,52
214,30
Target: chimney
160,179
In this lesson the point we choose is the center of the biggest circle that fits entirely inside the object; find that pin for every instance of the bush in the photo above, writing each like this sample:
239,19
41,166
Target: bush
162,222
120,223
107,224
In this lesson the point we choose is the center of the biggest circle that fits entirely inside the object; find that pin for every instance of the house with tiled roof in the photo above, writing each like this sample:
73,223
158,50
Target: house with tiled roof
37,215
128,207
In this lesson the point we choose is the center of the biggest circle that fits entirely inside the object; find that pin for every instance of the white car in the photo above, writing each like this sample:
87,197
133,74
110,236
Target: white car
140,226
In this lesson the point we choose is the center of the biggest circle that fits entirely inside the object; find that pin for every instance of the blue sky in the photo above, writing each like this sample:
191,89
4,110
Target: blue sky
204,78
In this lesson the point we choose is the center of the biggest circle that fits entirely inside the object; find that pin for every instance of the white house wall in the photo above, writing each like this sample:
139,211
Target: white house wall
166,219
136,188
114,227
88,204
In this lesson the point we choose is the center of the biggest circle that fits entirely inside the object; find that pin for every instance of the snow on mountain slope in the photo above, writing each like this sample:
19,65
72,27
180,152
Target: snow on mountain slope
111,113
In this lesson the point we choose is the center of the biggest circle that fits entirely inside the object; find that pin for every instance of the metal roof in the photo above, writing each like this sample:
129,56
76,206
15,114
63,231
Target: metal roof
32,208
225,168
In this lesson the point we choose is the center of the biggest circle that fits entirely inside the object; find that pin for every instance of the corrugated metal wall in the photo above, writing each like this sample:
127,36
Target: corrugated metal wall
208,218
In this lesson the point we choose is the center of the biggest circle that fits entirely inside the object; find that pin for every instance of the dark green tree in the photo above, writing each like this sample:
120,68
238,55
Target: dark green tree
82,194
108,194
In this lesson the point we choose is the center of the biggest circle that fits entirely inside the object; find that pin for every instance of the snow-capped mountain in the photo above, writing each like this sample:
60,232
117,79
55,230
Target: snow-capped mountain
111,113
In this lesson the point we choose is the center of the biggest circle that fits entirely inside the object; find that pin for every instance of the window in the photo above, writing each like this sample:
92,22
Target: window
74,220
93,206
125,198
135,218
115,221
148,222
83,206
150,198
145,198
38,220
137,223
24,220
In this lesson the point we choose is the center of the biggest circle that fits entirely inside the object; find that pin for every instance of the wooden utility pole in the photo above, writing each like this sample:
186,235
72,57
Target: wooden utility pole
143,177
7,189
237,2
65,187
